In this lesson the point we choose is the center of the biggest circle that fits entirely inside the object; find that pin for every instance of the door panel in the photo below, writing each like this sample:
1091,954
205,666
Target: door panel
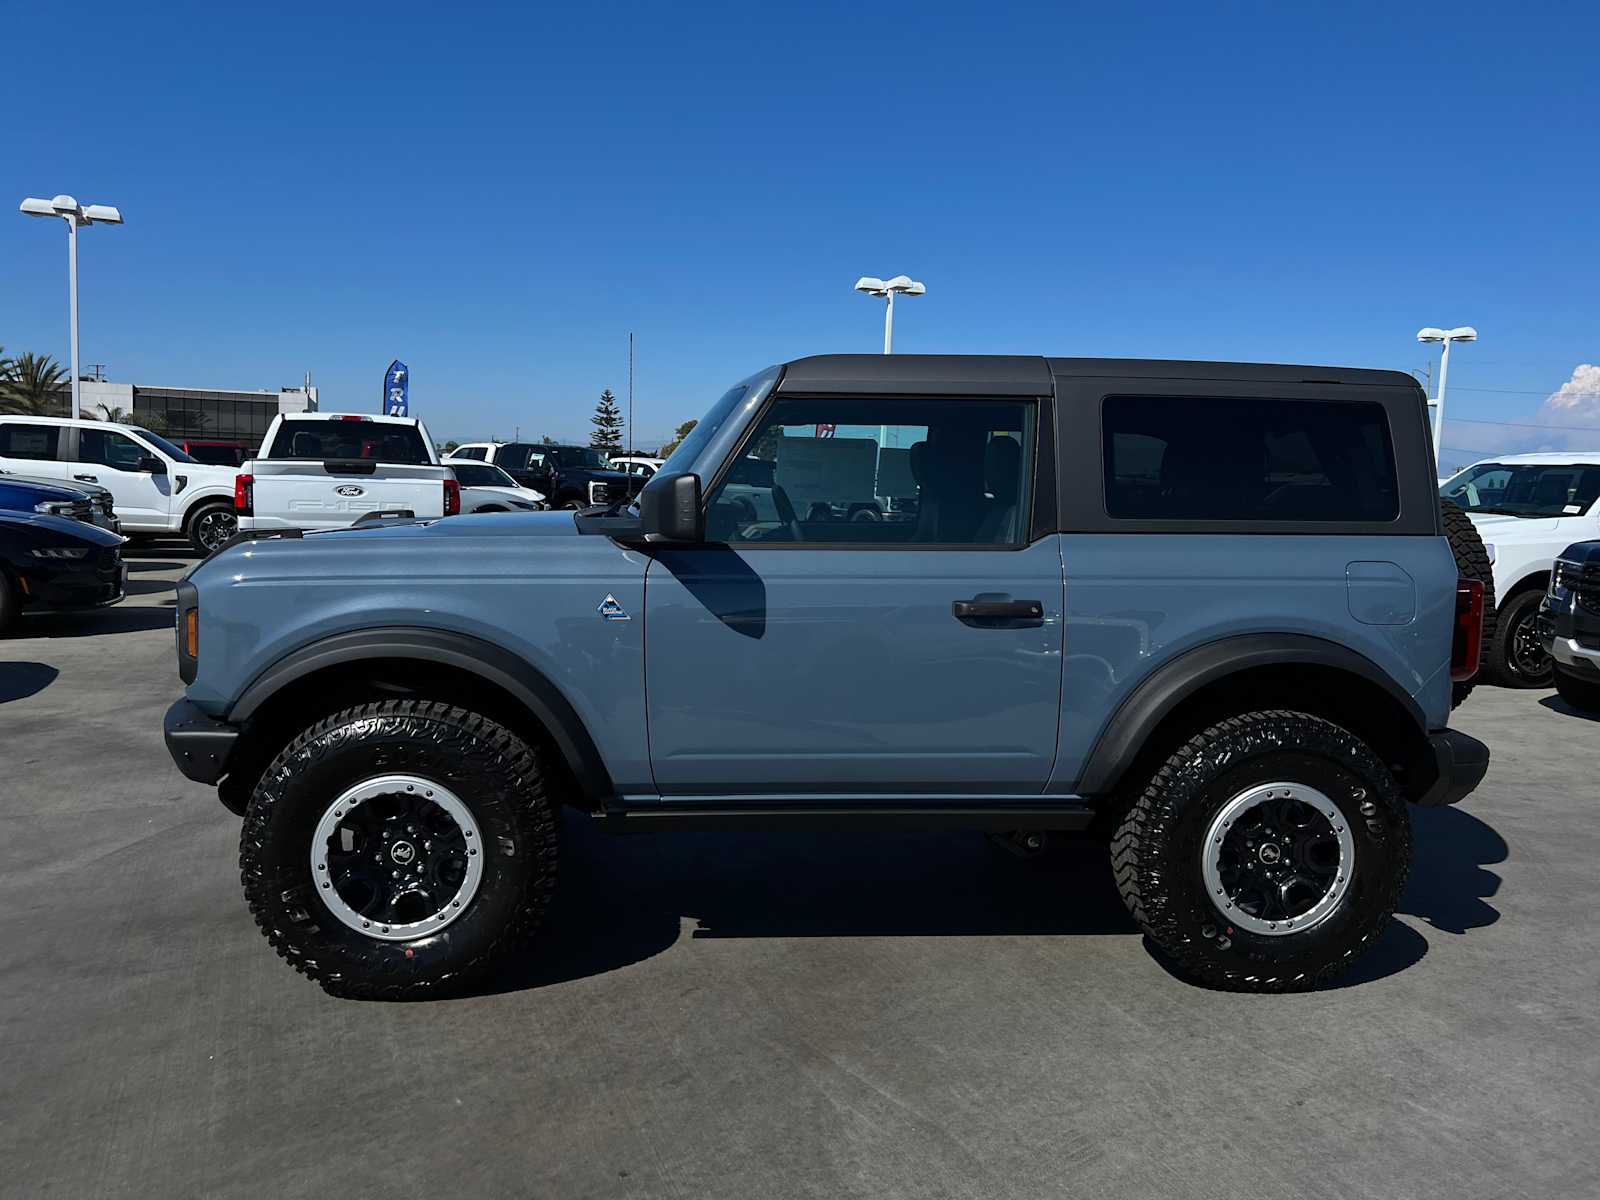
792,670
143,501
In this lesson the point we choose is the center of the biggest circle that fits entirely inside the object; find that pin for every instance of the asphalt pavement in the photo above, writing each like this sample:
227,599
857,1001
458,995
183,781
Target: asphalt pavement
883,1015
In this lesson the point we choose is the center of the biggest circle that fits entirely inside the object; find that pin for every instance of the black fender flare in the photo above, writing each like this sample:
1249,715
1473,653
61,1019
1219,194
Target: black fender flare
1142,712
507,671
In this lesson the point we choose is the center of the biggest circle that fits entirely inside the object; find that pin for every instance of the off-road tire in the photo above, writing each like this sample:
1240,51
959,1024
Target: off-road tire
1581,693
1156,851
1500,663
8,601
498,776
197,522
1472,562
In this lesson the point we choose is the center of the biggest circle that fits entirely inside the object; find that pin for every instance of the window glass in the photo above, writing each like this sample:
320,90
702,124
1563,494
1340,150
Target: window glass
28,441
1526,489
476,452
880,471
378,441
578,457
167,447
1177,458
481,475
108,448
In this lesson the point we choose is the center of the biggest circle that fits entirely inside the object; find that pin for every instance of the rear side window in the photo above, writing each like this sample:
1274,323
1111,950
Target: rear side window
28,441
375,441
1177,458
476,452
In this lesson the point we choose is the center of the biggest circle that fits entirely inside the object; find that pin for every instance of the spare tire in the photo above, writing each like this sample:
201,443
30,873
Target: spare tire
1472,560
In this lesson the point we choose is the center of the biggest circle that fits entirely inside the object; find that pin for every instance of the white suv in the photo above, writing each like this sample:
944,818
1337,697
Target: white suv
1528,508
156,487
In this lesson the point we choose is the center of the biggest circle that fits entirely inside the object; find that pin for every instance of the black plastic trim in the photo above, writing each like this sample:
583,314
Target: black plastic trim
490,662
188,599
1142,712
648,818
199,745
1462,762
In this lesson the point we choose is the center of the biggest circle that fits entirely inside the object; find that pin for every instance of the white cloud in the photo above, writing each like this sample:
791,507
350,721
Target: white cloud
1575,402
1569,410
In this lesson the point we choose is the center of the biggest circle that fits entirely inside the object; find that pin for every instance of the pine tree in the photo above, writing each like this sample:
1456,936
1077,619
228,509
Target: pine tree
607,422
683,432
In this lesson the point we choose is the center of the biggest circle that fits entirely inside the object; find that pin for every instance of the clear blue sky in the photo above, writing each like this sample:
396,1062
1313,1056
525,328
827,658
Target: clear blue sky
498,195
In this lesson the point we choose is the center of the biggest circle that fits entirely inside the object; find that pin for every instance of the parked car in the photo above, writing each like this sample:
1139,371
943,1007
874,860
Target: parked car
157,487
221,453
1250,684
54,562
43,496
636,464
486,488
567,476
1569,624
100,498
328,470
1528,508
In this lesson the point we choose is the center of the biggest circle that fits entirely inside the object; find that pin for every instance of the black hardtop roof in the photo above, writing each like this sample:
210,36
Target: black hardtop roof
1024,374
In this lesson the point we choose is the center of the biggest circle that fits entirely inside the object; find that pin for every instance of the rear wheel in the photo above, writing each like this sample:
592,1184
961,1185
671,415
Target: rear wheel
1266,854
399,847
1577,691
211,526
1516,657
1472,562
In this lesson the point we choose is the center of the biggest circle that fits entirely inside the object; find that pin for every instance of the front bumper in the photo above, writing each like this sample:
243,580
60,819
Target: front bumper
199,744
1461,763
74,585
1570,634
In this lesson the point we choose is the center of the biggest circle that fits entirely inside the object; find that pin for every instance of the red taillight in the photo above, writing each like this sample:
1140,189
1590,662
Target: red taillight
452,497
1468,645
244,495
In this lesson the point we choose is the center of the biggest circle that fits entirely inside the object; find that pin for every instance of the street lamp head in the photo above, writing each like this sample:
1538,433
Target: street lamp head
64,205
1463,333
903,284
872,285
1430,334
37,208
102,213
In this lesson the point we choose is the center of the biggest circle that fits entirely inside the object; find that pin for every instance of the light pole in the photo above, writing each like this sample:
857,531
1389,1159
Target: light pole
887,289
1462,333
74,214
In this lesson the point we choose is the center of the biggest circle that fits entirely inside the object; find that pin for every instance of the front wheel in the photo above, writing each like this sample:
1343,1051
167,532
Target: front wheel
1266,854
1516,657
211,527
398,847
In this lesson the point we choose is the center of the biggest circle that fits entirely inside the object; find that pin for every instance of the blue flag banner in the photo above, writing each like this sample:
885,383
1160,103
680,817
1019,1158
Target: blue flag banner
397,390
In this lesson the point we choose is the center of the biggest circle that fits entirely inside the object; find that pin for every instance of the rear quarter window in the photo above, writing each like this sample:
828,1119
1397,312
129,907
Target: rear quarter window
375,441
1177,458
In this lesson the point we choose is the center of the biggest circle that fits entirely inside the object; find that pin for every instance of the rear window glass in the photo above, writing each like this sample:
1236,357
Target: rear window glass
376,441
1176,458
28,441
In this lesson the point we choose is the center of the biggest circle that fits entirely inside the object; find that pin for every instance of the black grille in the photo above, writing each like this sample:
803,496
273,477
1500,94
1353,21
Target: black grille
1582,579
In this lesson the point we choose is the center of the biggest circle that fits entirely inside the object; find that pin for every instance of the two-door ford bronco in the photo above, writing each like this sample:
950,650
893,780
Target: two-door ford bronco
1205,609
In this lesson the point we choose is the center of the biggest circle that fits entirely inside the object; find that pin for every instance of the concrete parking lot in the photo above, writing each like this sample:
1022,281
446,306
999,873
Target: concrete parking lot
752,1015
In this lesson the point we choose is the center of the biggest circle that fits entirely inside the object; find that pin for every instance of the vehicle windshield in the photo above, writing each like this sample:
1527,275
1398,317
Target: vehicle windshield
578,456
378,441
1526,489
163,445
704,430
482,475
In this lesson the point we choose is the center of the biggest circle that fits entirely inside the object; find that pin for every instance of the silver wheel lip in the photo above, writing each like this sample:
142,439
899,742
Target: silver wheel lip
1210,851
388,785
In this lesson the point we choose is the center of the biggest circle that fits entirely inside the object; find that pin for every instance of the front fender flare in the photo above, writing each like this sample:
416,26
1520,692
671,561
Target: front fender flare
507,671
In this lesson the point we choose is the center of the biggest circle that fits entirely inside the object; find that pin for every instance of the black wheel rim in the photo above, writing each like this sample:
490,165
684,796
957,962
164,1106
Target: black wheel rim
1526,654
1278,858
216,527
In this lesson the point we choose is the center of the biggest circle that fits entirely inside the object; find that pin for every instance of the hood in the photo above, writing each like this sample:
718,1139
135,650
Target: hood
58,529
13,489
89,489
1498,526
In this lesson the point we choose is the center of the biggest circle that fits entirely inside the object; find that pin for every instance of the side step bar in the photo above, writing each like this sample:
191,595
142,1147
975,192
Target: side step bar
646,818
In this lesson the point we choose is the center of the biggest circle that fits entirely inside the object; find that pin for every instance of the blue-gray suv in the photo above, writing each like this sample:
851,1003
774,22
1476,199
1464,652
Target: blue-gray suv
1206,610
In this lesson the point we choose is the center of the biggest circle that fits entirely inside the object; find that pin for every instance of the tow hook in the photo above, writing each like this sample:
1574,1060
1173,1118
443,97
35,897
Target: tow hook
1024,843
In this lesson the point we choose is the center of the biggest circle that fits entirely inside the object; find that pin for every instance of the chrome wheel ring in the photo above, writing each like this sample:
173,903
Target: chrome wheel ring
216,527
1277,858
397,857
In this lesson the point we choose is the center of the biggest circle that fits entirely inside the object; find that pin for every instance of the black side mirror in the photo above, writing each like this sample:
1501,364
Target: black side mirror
151,465
669,509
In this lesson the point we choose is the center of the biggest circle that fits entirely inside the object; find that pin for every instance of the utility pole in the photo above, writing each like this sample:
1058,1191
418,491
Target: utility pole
630,393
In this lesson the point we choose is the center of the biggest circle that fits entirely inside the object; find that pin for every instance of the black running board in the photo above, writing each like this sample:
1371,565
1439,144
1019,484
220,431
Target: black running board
645,818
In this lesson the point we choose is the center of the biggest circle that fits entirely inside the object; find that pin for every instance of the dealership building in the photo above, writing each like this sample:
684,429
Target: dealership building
209,413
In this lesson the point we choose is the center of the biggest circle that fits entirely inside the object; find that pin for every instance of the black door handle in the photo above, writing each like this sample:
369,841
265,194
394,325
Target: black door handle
1001,610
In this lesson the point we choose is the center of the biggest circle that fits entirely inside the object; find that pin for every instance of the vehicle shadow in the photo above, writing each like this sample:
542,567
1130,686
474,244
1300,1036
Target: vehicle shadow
150,587
19,680
139,565
625,899
1558,705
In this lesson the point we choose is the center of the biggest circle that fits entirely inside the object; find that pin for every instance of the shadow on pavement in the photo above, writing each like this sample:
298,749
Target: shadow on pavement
625,899
136,565
19,680
130,619
1556,704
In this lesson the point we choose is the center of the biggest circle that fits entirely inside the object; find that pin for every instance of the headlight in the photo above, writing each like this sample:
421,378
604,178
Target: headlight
54,508
61,552
1488,548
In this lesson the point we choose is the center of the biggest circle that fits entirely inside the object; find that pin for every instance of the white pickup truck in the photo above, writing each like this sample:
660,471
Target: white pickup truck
328,470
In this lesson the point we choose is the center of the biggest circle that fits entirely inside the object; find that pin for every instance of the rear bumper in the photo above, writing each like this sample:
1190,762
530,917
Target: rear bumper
1462,762
199,745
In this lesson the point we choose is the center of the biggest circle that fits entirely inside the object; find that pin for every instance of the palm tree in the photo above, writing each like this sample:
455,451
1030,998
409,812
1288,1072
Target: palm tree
113,412
33,386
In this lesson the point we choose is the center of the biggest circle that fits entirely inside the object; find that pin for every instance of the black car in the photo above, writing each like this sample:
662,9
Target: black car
1569,624
76,501
569,476
56,563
